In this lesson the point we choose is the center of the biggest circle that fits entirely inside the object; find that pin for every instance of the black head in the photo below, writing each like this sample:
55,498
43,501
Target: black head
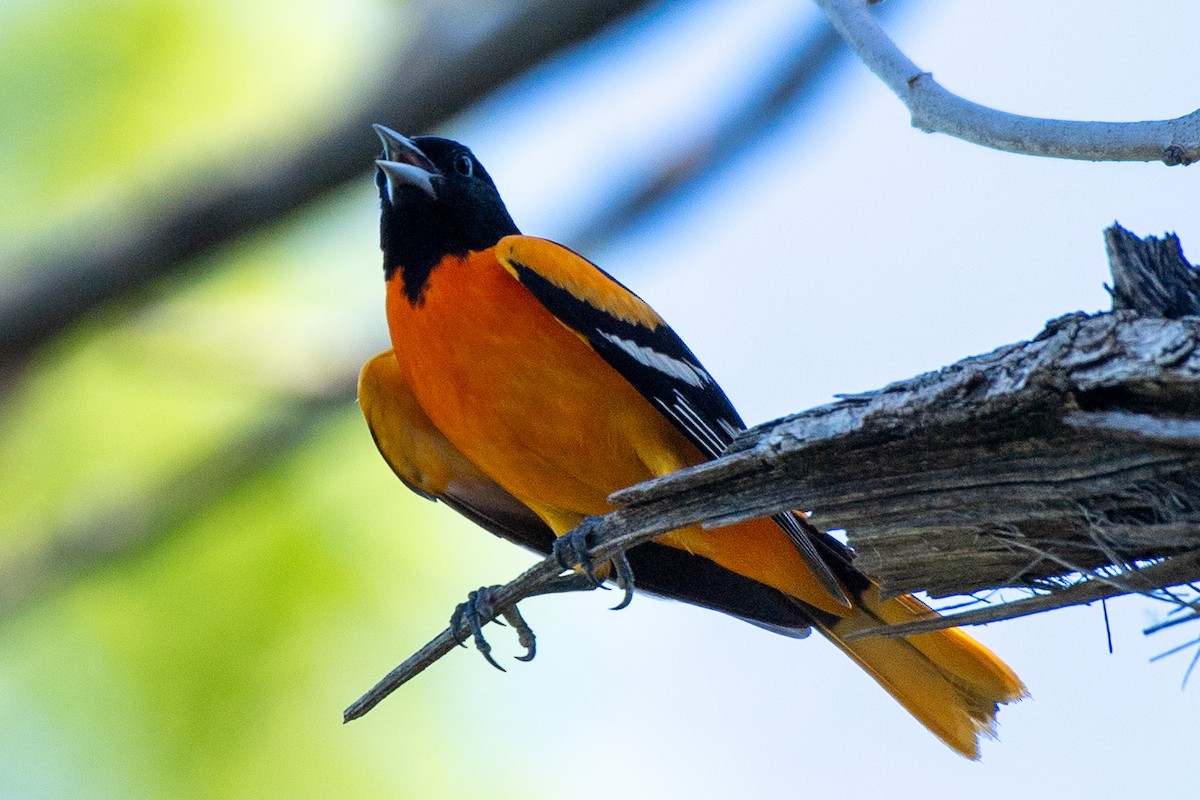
437,200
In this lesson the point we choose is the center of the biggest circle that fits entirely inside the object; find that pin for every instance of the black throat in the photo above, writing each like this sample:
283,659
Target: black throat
418,231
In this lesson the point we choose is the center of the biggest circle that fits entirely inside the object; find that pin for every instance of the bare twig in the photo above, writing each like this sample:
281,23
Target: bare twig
1171,623
936,110
520,588
614,534
1172,571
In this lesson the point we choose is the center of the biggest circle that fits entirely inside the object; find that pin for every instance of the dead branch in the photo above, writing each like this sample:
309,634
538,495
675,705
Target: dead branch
1170,572
936,110
615,533
1070,456
1079,442
1065,464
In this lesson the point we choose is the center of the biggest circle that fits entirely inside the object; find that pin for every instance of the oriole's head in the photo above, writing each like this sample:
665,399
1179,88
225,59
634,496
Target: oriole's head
437,200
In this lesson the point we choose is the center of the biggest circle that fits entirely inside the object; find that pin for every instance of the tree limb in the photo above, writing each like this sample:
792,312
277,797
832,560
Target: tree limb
1072,456
943,480
614,533
936,110
1066,464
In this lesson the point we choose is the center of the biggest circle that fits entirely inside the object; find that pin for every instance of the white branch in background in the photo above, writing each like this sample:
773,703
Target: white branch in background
936,110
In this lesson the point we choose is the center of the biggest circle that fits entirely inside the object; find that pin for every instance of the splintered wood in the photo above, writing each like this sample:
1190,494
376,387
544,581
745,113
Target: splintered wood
1067,458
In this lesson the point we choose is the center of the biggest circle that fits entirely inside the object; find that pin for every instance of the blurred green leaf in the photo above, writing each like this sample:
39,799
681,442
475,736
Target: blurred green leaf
214,665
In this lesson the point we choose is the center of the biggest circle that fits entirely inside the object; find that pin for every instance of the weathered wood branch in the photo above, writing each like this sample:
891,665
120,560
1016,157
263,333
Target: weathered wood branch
1076,451
936,110
615,533
1080,444
1066,464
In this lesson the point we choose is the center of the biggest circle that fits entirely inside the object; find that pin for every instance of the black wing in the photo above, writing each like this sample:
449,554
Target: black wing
426,462
643,348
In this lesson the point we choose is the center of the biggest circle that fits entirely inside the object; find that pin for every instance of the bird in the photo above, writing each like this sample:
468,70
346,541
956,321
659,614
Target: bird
525,385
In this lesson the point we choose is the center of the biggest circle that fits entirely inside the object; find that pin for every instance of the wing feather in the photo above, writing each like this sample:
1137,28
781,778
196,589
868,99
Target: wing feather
425,460
639,344
628,334
431,466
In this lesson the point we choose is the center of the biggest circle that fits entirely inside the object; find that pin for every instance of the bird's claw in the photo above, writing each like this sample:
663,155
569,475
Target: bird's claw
525,636
624,576
478,610
571,551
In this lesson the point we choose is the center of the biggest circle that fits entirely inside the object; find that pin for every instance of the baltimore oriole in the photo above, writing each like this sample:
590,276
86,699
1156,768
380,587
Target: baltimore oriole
525,385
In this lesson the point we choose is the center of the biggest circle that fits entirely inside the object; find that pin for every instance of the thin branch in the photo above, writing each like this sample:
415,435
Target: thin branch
1172,571
936,110
521,588
614,534
1171,623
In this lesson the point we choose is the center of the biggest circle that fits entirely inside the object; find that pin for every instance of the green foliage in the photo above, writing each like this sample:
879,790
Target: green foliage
212,664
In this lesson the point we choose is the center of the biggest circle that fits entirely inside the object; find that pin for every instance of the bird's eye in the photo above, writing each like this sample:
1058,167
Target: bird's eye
463,165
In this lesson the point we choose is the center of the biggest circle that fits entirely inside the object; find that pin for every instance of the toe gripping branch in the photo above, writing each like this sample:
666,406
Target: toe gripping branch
477,611
571,552
568,568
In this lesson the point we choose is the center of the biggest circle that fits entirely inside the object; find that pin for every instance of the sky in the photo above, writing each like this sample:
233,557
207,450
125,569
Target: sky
845,251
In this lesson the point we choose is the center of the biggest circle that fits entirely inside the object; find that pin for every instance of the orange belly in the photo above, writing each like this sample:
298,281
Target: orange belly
534,407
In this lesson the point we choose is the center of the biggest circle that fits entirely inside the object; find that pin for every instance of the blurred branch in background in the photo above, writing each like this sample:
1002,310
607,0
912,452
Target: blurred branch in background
795,81
444,67
935,110
142,519
116,533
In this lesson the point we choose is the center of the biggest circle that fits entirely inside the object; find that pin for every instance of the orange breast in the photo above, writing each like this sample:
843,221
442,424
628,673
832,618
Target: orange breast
524,397
535,408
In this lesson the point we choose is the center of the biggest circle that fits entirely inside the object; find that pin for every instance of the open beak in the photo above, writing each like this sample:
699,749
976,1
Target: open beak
403,164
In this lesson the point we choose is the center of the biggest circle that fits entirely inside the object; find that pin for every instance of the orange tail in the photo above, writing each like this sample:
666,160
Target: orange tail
945,679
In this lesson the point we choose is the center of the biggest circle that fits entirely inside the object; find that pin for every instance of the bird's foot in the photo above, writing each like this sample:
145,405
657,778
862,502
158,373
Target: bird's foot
477,611
571,550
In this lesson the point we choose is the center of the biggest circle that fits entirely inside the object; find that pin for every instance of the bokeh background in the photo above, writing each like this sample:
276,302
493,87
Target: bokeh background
202,557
